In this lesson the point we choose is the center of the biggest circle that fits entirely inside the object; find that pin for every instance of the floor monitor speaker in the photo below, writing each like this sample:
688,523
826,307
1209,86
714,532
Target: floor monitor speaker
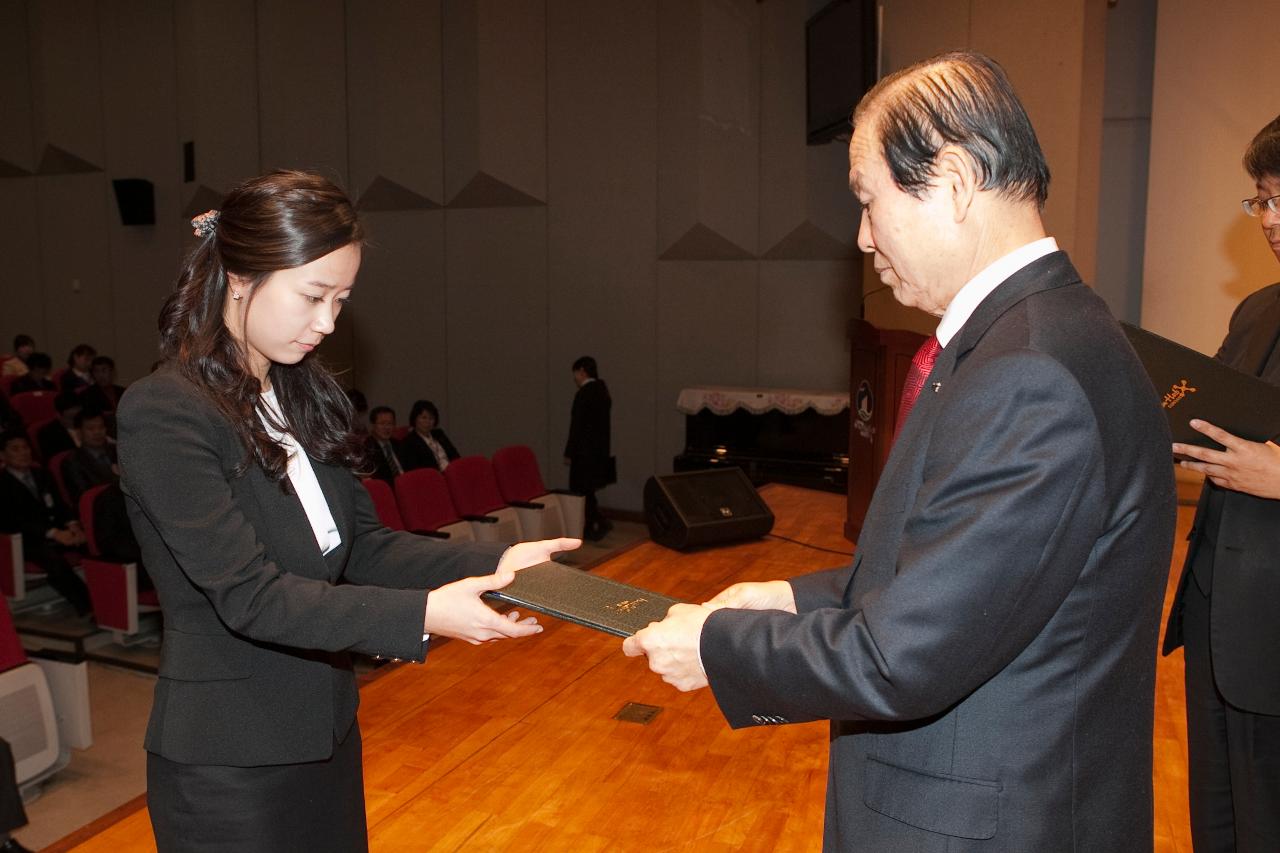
708,507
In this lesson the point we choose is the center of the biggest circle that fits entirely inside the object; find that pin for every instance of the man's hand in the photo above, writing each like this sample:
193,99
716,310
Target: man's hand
525,554
672,646
455,610
1245,466
765,595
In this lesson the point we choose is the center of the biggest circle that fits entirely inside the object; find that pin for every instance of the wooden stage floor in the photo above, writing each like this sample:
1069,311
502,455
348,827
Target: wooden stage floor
515,745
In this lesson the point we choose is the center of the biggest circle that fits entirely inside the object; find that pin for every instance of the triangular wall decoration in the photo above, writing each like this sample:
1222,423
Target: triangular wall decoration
808,242
484,190
700,243
385,194
10,170
58,161
204,199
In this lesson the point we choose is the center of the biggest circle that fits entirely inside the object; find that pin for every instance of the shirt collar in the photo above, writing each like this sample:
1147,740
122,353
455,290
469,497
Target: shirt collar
980,286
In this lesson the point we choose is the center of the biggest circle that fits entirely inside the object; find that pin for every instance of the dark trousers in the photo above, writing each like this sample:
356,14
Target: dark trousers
317,806
1233,755
11,814
48,555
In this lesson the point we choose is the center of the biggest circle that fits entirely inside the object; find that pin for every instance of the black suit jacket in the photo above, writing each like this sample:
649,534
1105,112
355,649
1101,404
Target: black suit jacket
83,470
376,458
22,512
54,438
414,452
1244,632
254,667
588,445
988,658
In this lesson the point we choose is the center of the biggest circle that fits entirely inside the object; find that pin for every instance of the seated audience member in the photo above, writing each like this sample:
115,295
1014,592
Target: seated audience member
359,411
23,347
12,815
37,376
9,419
61,434
94,462
426,445
30,505
103,395
383,453
77,377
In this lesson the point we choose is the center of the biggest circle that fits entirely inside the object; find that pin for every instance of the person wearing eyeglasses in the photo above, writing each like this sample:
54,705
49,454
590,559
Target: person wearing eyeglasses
1225,610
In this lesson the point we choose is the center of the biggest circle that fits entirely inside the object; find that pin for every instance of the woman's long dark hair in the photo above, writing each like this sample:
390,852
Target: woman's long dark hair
274,222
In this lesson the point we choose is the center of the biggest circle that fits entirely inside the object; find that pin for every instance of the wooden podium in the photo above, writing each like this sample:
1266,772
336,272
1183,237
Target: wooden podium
879,361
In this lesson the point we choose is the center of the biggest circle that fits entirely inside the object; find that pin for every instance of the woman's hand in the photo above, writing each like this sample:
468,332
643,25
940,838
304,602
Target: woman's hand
455,610
525,554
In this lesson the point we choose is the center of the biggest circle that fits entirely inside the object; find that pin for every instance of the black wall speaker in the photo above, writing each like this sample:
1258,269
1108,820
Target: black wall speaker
136,201
709,507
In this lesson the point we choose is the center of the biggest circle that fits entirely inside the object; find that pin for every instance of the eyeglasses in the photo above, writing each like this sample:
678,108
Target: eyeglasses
1254,206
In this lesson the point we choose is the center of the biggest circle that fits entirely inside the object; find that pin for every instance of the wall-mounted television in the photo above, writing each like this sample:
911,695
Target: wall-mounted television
841,52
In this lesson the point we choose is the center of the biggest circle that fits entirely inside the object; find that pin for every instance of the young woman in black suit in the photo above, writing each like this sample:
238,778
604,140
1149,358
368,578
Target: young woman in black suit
270,564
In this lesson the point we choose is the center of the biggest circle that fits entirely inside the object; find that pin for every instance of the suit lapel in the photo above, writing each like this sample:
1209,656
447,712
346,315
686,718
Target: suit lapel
1261,356
287,532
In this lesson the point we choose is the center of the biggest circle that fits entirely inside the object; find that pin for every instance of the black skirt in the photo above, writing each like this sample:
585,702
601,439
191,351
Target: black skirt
316,806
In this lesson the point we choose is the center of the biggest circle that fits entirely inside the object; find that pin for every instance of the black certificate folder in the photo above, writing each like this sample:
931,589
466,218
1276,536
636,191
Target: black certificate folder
1193,385
591,600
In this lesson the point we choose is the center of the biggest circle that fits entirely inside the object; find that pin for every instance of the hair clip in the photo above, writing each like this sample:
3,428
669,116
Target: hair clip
205,223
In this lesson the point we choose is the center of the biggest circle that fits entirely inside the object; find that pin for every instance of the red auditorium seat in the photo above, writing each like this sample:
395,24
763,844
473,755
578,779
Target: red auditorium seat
426,507
33,437
34,406
17,576
27,717
384,503
55,469
475,494
113,586
544,514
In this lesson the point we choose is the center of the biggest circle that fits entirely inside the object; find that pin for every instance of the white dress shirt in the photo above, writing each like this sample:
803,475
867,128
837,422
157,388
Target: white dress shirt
303,477
978,288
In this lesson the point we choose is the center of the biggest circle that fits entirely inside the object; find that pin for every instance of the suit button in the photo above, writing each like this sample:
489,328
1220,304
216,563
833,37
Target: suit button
759,720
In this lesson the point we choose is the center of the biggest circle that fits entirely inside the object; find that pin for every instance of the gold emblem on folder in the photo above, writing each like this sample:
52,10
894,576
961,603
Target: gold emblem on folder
1175,395
626,605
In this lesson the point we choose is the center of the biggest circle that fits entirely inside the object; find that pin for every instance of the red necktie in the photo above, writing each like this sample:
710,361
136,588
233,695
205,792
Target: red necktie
921,366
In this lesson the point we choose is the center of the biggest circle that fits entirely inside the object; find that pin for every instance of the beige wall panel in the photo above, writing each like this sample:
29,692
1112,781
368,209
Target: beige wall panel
708,132
302,85
1055,53
495,98
801,186
217,87
394,85
72,213
496,277
602,93
1212,93
16,146
708,327
66,89
398,310
917,29
804,311
1122,199
139,93
22,281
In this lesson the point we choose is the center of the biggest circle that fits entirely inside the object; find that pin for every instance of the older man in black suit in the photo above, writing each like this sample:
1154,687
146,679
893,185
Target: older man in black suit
586,452
987,661
30,505
1229,594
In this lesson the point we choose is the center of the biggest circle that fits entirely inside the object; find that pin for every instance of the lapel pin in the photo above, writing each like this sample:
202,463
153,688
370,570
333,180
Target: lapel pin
937,386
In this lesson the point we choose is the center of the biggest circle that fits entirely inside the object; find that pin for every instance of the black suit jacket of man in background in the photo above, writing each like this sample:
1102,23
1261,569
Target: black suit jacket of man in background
32,515
588,445
379,459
